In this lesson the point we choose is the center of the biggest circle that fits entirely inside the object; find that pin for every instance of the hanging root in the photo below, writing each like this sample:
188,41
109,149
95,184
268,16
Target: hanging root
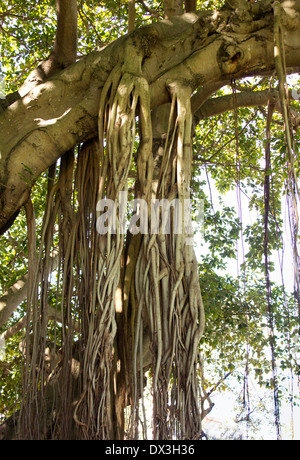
169,298
138,302
293,193
124,96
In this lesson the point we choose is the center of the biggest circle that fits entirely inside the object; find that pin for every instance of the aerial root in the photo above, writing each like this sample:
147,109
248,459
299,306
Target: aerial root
172,306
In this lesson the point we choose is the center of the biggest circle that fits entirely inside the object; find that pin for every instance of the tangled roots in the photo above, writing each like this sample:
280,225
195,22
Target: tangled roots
136,302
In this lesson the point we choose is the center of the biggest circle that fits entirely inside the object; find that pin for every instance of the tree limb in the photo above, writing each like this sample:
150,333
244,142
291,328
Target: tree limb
65,45
172,8
190,5
17,293
52,315
204,93
218,105
59,114
64,49
154,13
131,15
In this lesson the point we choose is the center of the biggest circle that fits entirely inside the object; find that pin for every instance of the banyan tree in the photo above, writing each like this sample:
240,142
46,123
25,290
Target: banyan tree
116,127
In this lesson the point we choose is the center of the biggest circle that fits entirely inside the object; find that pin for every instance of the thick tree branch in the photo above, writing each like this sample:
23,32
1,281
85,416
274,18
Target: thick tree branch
131,15
218,105
17,293
204,93
154,13
52,315
64,48
10,300
172,8
190,5
192,49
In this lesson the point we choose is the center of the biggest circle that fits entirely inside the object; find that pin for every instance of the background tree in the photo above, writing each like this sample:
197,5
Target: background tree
101,310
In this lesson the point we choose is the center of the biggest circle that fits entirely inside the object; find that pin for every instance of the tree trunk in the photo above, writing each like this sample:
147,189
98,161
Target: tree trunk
173,8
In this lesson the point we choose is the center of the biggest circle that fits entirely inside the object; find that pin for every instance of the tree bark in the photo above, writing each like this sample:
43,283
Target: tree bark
218,105
173,8
190,5
131,15
64,49
62,112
